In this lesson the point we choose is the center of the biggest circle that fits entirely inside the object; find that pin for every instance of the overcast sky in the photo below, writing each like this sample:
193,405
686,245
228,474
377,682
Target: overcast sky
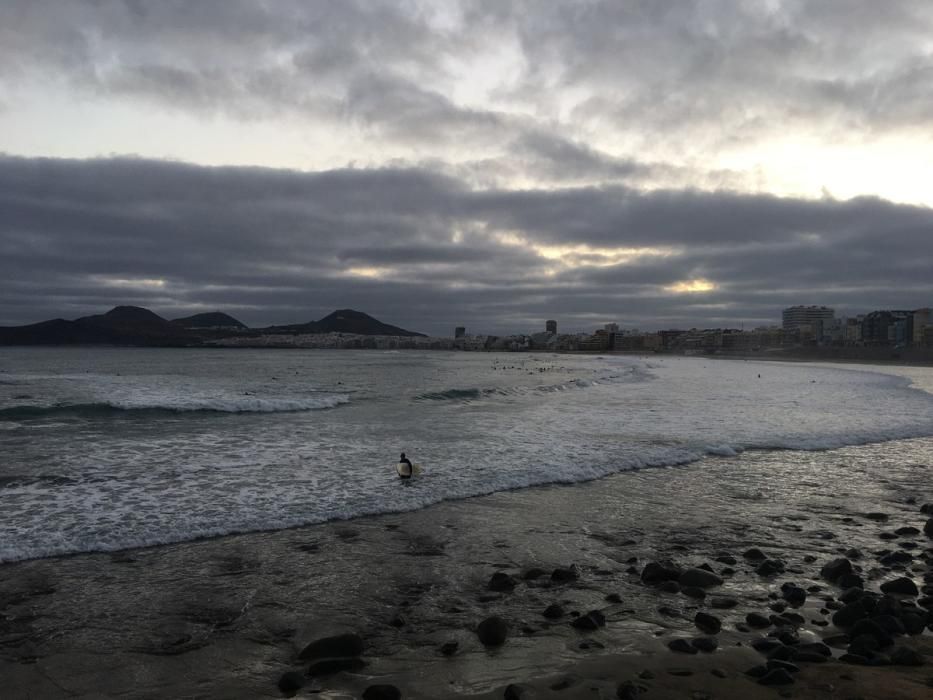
481,163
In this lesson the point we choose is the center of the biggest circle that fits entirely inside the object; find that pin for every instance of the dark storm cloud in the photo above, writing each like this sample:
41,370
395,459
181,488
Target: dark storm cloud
277,246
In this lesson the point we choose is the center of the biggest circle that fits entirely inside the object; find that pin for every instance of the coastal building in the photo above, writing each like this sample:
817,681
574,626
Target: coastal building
550,327
818,320
459,332
611,327
922,319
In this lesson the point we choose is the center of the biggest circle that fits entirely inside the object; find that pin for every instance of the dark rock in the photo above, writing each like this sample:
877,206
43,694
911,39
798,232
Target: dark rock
719,673
655,572
837,640
809,559
851,581
681,672
849,614
669,587
836,569
877,516
565,682
778,607
629,690
887,536
927,509
513,691
710,624
787,635
896,558
339,645
853,553
794,595
786,665
816,648
493,631
700,578
765,646
903,656
782,653
850,595
382,692
754,554
907,531
669,612
928,528
913,623
777,676
501,581
901,586
397,621
593,620
864,645
328,667
565,575
646,675
613,598
757,671
770,567
731,561
682,646
553,611
291,682
693,592
873,629
449,648
889,624
807,657
727,571
757,620
855,659
706,644
721,603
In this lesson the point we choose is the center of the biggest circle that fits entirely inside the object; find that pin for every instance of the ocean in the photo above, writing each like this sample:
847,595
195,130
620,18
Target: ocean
112,448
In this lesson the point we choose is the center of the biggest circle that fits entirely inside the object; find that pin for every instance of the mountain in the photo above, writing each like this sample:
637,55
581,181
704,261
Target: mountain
122,325
134,325
350,321
344,321
214,319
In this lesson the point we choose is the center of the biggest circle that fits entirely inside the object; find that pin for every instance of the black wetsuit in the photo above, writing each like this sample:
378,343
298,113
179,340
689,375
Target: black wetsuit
411,469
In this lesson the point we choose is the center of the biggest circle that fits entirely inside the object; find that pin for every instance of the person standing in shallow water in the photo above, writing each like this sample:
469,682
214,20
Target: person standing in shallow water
405,468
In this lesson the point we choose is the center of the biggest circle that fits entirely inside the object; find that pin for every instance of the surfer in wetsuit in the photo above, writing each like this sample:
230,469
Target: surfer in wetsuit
405,469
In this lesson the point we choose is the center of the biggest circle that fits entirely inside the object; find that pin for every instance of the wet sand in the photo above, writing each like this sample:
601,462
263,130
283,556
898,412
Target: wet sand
227,617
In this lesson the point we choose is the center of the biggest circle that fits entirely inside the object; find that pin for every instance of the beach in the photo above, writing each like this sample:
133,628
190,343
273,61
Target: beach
228,617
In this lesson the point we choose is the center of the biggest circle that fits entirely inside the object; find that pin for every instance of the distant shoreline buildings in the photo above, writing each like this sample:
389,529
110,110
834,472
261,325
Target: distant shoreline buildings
802,327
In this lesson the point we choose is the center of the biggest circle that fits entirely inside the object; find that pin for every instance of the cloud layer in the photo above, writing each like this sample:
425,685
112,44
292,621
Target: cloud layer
421,249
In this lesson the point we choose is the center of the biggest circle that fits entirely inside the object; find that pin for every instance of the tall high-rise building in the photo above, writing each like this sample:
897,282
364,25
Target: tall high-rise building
550,327
459,332
611,327
818,318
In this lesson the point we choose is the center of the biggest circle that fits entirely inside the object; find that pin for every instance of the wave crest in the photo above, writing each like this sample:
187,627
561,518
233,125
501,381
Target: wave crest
242,404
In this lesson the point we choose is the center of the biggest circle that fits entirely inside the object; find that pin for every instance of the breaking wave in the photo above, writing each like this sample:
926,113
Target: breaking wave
244,404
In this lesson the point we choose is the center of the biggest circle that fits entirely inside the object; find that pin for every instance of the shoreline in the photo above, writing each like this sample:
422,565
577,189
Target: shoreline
228,616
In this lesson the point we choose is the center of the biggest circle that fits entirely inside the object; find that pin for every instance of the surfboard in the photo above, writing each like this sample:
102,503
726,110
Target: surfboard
415,469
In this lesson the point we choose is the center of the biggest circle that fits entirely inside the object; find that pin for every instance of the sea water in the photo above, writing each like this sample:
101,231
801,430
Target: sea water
111,448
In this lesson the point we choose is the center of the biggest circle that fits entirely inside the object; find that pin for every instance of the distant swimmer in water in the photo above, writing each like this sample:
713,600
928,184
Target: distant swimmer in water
405,468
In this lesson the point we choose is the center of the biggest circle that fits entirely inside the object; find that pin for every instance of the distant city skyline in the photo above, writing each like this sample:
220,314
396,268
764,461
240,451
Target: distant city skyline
460,162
